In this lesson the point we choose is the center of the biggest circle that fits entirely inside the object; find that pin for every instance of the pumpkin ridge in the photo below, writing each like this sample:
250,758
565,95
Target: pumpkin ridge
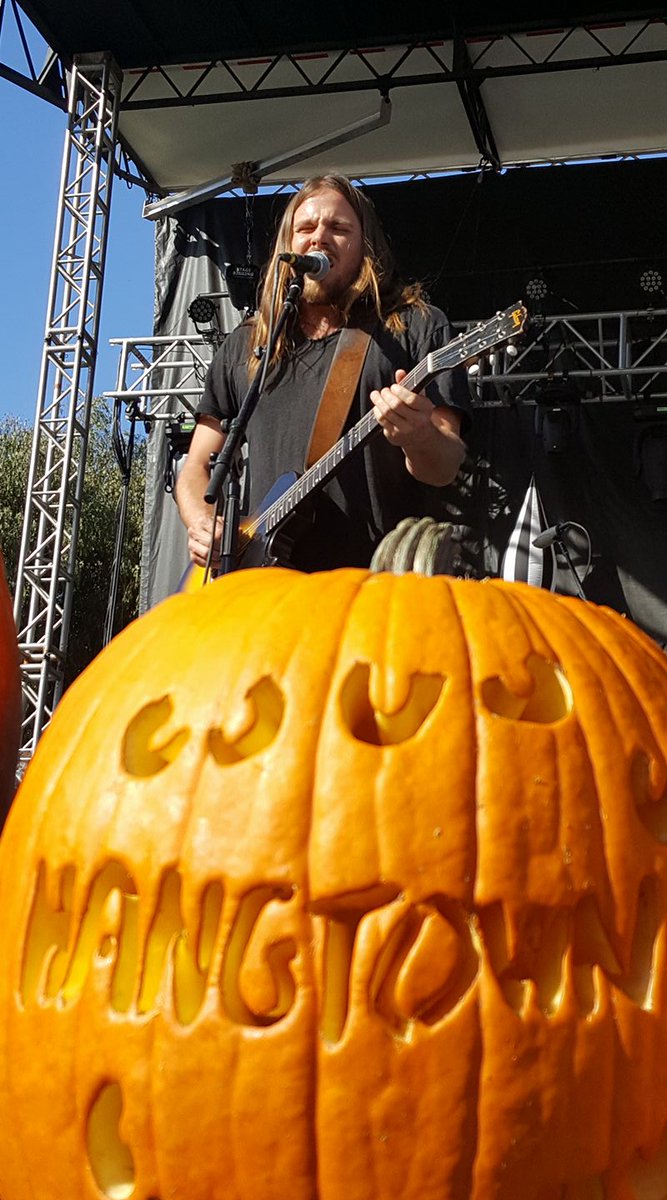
569,620
312,1116
84,688
474,1128
526,618
457,593
627,666
153,1110
331,699
81,883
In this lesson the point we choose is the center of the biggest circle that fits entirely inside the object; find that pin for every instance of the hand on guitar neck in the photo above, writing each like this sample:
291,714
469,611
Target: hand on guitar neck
427,435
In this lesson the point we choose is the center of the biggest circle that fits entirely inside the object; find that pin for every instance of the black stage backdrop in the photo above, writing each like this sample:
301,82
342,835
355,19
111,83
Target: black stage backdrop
475,240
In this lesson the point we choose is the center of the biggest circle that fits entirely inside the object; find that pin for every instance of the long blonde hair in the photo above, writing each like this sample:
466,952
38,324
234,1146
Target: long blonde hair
378,287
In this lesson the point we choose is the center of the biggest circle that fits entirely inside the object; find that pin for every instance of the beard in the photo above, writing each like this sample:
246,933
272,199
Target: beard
321,291
335,292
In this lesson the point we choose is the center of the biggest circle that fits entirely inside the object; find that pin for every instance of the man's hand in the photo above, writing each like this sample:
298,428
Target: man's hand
196,515
199,540
427,435
405,416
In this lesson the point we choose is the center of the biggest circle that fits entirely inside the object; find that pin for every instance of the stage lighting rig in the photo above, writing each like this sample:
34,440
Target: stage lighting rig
204,314
652,283
536,289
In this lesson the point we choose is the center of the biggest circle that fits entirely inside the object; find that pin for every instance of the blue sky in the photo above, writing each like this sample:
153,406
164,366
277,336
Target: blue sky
31,145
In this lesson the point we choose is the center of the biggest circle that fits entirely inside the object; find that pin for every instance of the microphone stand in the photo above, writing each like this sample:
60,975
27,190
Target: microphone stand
227,467
561,545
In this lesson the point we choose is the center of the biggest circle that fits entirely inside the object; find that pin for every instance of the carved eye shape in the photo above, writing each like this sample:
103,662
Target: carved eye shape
549,699
110,1159
260,721
369,724
143,752
652,809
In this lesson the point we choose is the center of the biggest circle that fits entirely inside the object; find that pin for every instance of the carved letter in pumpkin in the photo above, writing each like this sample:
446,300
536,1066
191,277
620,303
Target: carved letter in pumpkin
343,887
10,698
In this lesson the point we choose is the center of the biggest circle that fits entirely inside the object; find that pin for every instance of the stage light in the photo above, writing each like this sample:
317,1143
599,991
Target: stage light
651,282
556,414
205,316
202,311
536,289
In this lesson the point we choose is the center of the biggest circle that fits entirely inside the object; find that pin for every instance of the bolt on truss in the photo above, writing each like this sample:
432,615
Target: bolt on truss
45,577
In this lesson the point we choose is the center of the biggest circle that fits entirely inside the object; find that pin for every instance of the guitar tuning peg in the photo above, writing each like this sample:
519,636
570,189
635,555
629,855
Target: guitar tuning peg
511,350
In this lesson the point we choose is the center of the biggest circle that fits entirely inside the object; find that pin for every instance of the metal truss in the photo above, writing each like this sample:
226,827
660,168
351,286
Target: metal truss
583,358
607,356
146,364
45,576
50,82
467,62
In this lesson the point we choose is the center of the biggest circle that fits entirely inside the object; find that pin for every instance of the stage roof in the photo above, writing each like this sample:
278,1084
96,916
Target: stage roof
392,88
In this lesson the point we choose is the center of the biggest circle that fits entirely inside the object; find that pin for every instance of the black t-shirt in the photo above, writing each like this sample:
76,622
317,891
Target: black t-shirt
372,490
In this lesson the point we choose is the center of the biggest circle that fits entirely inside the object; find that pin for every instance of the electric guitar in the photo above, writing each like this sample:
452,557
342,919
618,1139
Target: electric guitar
268,537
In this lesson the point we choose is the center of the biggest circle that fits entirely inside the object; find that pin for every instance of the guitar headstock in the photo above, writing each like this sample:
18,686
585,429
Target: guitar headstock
489,335
501,329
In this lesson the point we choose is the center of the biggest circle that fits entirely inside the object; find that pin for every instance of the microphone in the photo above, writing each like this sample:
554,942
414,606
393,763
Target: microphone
316,264
549,536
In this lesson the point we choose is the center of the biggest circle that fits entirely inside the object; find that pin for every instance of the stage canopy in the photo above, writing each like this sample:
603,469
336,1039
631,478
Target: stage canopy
207,86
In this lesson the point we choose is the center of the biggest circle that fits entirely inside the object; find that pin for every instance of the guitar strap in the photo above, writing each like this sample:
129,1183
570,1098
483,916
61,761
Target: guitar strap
338,392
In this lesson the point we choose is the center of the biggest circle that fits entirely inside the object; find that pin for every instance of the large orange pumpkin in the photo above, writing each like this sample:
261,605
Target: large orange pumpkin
10,698
343,886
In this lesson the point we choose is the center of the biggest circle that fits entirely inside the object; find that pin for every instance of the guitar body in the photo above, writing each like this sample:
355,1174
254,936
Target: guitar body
261,546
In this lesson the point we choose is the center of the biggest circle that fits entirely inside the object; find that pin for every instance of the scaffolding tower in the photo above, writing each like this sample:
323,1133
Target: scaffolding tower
45,577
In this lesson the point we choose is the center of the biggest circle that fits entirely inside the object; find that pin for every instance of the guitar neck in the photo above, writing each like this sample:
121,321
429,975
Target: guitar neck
464,348
357,437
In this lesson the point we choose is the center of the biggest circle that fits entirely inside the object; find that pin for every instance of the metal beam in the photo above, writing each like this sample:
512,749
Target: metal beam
472,74
206,191
469,87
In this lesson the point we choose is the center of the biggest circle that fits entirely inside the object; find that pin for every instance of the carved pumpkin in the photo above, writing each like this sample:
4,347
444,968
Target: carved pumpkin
10,698
343,886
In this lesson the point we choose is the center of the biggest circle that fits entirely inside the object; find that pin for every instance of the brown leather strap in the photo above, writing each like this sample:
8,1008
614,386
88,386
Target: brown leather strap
338,393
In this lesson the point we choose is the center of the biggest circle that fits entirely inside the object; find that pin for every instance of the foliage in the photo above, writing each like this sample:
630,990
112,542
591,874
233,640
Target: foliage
10,699
96,545
15,440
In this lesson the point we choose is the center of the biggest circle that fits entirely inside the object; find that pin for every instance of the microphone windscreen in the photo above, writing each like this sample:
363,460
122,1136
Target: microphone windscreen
543,540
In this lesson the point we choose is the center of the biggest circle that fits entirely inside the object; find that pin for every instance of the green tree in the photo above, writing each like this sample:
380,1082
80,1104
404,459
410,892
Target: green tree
103,486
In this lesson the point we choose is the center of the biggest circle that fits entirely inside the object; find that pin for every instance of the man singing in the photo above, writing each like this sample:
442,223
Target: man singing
374,487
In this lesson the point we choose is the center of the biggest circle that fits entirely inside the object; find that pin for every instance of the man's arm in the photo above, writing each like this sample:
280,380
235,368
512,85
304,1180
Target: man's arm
195,513
427,435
